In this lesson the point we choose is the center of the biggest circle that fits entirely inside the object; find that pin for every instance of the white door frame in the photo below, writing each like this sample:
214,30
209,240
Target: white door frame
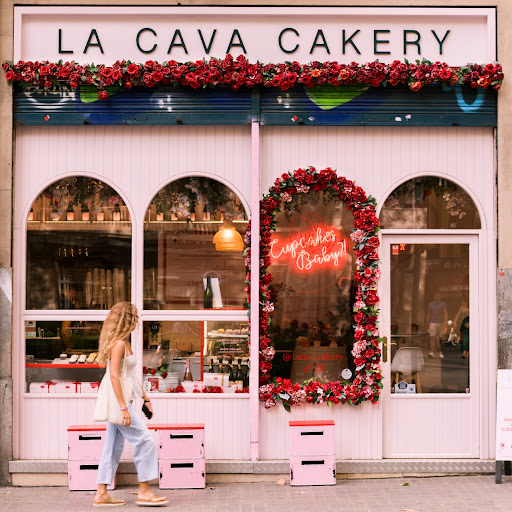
435,403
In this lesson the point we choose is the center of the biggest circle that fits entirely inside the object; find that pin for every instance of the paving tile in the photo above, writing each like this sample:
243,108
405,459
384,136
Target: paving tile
436,494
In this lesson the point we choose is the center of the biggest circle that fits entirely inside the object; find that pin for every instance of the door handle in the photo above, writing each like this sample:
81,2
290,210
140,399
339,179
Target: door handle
385,348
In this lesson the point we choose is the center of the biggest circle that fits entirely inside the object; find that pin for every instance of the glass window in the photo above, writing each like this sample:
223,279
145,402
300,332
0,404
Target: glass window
192,243
216,354
430,317
313,289
78,247
61,356
429,202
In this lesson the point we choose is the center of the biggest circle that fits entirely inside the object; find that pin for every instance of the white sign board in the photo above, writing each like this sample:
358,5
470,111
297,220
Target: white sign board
269,34
504,416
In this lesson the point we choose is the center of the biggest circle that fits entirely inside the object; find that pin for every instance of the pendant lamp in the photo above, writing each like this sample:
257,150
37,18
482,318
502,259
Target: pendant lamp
228,238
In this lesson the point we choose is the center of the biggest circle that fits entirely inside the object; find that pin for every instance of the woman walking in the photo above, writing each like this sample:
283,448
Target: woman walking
114,350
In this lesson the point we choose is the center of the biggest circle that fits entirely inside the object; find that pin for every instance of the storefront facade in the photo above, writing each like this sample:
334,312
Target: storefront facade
102,180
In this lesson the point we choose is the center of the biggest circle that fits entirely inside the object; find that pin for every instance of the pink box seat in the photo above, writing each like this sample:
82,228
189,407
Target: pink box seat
312,453
85,444
181,455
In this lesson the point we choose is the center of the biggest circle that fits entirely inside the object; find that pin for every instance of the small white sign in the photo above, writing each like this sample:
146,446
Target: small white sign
346,374
504,416
405,387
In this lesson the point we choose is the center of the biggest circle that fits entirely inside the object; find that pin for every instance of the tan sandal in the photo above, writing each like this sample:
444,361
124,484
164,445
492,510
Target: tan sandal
109,502
154,501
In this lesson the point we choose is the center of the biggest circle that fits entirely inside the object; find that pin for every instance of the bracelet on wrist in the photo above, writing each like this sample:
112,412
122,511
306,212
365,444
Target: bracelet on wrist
123,409
147,400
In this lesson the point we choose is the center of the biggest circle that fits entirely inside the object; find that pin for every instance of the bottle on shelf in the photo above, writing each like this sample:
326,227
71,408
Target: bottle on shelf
229,367
206,213
238,371
188,373
210,367
246,376
208,294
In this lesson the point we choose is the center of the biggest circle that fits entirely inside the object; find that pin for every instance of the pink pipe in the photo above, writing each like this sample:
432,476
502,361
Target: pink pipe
255,269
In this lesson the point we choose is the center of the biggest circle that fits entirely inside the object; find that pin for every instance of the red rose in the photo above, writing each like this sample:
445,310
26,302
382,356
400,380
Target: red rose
145,370
164,375
152,371
106,72
103,95
373,242
359,317
9,76
133,69
128,85
446,74
117,75
416,86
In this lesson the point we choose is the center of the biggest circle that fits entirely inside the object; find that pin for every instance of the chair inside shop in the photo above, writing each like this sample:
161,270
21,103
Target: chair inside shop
408,361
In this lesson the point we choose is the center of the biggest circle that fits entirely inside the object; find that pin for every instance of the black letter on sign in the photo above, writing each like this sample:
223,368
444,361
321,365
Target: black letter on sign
60,44
97,43
349,41
281,43
232,43
138,43
319,33
209,47
379,41
416,42
440,42
177,33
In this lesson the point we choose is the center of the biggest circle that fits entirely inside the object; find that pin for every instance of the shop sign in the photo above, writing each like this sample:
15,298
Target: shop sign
319,247
106,34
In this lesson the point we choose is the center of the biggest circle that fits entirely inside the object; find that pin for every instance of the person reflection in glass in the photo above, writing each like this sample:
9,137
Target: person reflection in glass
437,321
464,331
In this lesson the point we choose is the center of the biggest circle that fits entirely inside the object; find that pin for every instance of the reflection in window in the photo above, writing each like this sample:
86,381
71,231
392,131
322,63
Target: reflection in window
78,247
313,265
193,230
429,202
61,356
430,317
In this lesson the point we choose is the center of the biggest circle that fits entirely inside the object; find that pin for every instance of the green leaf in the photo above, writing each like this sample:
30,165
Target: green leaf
329,403
287,406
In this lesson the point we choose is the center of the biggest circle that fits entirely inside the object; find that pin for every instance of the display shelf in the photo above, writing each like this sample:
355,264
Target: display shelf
219,335
67,365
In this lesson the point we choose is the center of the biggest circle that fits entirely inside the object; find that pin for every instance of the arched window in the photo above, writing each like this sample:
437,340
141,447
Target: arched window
429,202
193,231
430,284
194,262
78,247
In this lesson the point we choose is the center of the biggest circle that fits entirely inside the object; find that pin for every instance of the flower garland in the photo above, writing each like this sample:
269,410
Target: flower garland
239,73
367,382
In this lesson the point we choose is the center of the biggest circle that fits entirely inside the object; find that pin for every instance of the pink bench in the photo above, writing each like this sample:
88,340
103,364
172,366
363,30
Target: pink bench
180,453
312,453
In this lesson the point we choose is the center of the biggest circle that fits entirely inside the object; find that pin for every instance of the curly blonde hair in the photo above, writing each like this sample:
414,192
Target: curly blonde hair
120,322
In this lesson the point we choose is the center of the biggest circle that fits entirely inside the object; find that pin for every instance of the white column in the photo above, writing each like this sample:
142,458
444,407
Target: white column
255,293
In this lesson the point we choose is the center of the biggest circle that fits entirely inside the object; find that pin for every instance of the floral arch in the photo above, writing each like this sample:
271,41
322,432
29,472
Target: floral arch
366,352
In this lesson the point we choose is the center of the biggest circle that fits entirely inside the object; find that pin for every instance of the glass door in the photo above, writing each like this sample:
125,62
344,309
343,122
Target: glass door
430,328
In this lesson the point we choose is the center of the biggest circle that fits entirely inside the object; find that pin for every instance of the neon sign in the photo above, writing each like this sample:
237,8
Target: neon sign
320,246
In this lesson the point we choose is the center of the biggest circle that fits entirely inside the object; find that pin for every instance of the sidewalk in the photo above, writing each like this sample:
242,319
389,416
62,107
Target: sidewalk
451,494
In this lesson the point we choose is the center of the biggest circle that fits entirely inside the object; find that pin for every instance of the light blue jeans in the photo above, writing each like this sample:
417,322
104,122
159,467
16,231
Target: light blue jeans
145,456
